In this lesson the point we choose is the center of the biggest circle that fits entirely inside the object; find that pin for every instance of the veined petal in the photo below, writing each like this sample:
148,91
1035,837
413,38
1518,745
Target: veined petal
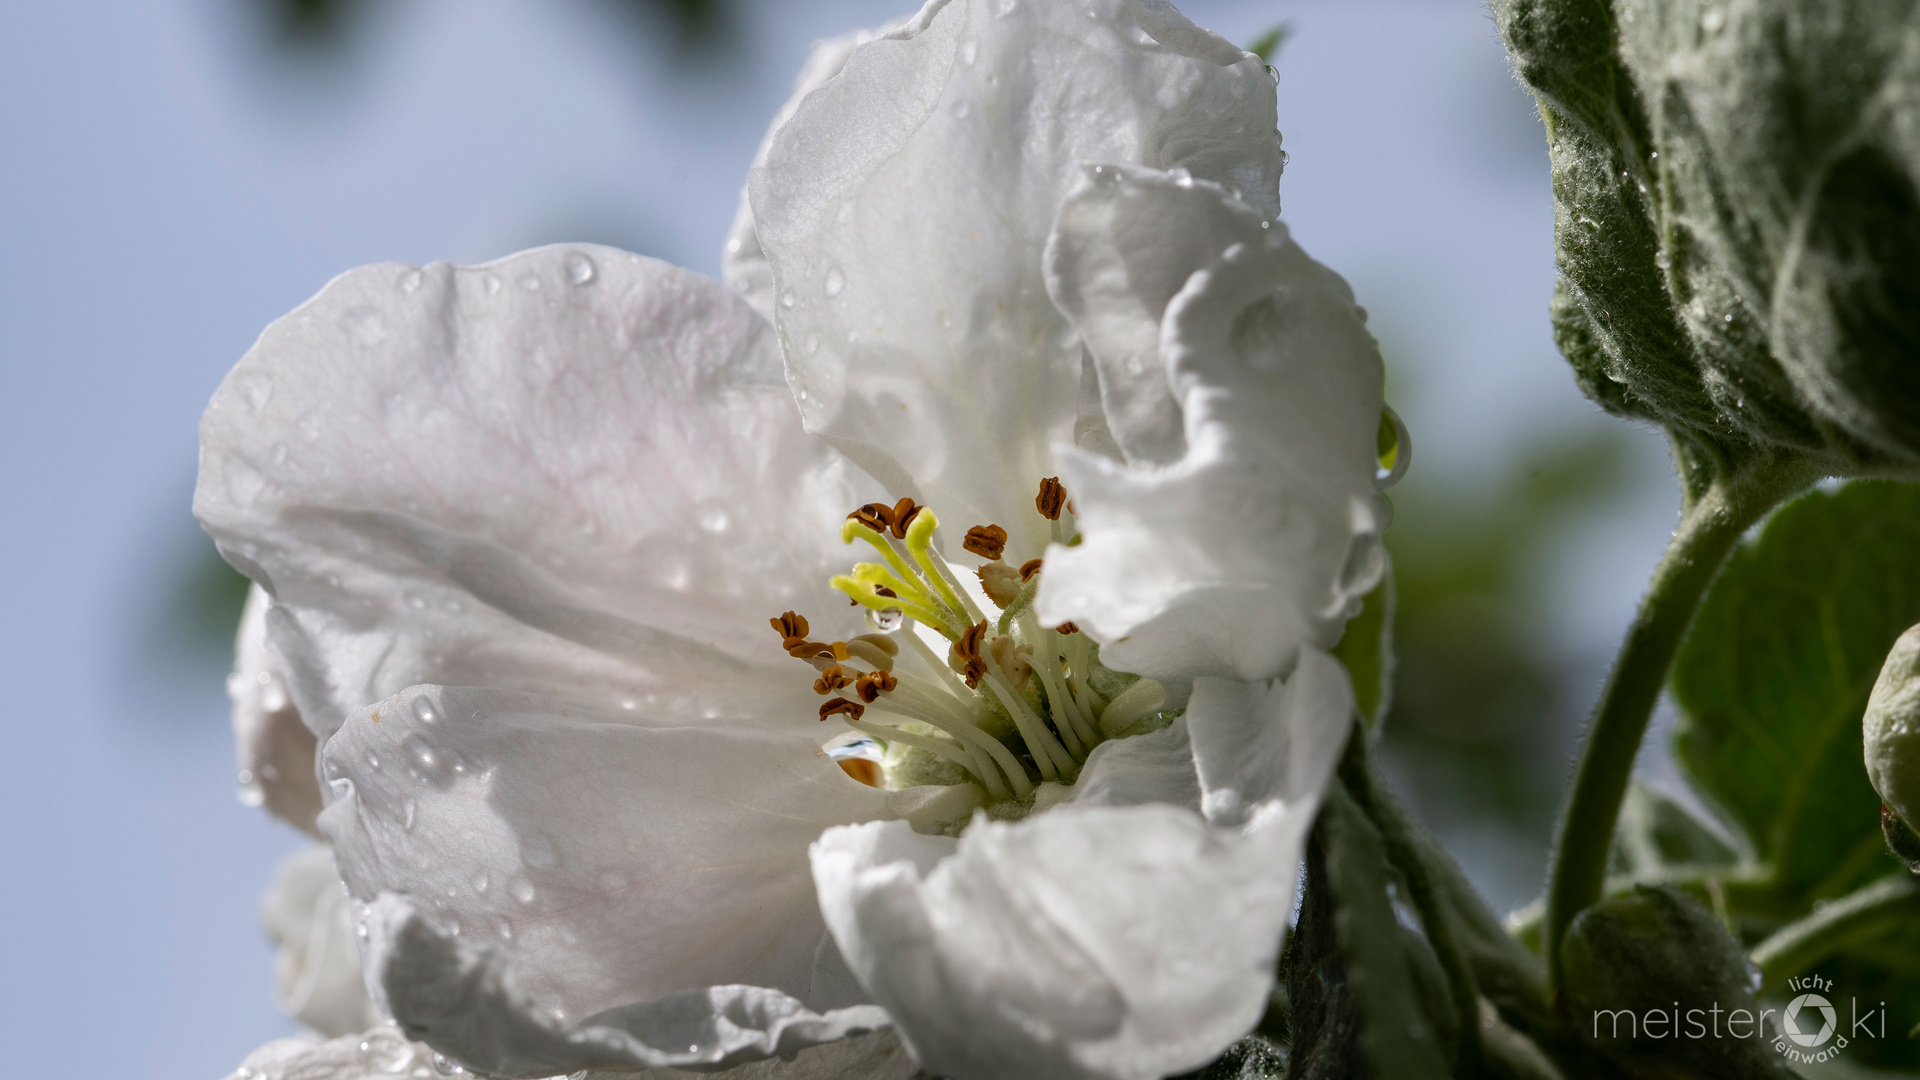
592,862
743,265
378,1053
905,206
1263,534
274,748
462,997
1123,943
572,471
316,956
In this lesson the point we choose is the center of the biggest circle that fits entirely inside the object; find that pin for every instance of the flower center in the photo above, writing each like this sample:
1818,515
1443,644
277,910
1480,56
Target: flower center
1011,704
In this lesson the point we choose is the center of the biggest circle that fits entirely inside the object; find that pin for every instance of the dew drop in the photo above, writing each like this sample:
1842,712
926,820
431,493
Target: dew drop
580,269
248,792
410,281
836,281
961,109
787,298
1181,177
481,881
493,285
969,52
257,388
522,890
885,621
1728,317
423,710
373,760
1662,260
1712,20
420,751
733,245
408,813
714,519
530,283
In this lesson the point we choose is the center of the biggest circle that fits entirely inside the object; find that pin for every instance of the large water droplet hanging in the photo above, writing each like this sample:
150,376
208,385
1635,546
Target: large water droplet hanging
886,621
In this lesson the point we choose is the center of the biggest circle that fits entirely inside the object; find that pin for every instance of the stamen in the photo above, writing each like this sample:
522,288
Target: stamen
987,752
1048,754
882,599
790,625
1132,705
1066,712
808,650
919,543
871,685
904,512
875,516
1066,628
945,673
834,678
1051,498
852,709
1030,568
933,746
965,654
1000,582
987,541
864,649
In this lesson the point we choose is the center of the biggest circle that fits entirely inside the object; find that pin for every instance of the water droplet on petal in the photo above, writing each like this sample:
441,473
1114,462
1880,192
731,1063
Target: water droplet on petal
522,890
1661,259
410,281
787,299
257,389
580,269
836,281
530,283
969,52
885,621
714,519
423,709
481,881
493,285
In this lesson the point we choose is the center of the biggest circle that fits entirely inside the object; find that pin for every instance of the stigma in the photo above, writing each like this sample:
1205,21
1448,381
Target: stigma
957,690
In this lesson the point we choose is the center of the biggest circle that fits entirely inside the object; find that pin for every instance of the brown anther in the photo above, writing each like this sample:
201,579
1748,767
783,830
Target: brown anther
1066,628
968,647
1051,498
973,672
875,516
1030,568
832,679
987,541
838,705
882,590
791,626
904,512
807,650
1000,582
871,685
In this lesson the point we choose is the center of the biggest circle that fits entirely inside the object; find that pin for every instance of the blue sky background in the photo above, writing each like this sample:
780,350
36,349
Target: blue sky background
169,184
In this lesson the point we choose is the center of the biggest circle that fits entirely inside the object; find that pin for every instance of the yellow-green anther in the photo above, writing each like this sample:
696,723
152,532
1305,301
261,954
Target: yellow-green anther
920,543
868,596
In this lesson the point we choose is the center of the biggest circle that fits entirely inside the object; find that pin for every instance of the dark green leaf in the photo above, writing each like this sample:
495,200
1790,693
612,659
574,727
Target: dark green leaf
1774,675
1657,835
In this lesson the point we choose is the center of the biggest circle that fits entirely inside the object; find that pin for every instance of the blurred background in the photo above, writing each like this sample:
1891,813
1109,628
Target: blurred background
174,175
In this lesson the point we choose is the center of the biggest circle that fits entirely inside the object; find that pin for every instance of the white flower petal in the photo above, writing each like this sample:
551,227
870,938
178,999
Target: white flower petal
463,998
600,861
574,470
743,264
878,1056
1157,767
1124,943
1263,535
317,958
378,1053
905,206
1259,745
274,748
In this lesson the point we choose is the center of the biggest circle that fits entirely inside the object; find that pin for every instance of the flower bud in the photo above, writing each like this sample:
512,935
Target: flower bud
1738,218
1892,730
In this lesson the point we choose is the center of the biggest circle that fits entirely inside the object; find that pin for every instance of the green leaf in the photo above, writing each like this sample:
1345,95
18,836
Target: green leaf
1737,216
1367,651
1774,675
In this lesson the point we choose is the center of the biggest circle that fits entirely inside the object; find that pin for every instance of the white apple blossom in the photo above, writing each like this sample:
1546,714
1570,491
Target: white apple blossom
525,525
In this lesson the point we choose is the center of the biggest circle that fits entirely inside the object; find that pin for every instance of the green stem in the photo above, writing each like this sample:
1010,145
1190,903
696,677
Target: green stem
1709,527
1854,918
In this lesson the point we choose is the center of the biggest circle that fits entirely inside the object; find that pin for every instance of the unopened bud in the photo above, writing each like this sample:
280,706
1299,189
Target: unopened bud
1892,729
